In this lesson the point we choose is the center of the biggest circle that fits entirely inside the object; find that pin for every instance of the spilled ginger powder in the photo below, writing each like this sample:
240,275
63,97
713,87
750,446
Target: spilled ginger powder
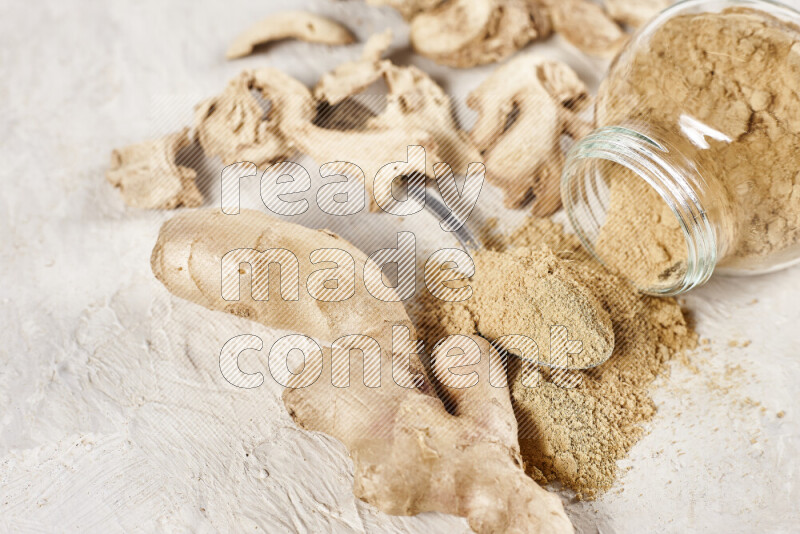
544,292
572,436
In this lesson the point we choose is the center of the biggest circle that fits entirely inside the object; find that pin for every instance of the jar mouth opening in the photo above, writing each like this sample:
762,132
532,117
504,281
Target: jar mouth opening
621,153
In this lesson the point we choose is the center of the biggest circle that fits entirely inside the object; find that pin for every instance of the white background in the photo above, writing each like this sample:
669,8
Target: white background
113,412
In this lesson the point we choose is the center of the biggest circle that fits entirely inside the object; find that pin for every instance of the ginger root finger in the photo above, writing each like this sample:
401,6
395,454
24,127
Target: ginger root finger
187,260
290,25
148,176
370,148
491,455
635,13
235,127
586,26
410,454
523,108
414,101
466,33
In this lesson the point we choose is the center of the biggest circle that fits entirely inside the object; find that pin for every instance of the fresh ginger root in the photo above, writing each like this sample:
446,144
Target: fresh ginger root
411,454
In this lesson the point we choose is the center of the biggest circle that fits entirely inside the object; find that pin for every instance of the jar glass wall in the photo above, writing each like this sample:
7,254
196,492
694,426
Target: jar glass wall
695,165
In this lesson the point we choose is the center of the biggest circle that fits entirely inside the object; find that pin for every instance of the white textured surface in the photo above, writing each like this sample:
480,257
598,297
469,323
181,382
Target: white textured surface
113,412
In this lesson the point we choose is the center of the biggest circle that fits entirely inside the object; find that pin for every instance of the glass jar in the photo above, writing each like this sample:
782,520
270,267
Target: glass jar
695,165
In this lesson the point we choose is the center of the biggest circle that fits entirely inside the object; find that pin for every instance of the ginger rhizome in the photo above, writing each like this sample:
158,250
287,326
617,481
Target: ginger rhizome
300,25
265,116
523,108
466,33
148,175
413,451
413,102
235,127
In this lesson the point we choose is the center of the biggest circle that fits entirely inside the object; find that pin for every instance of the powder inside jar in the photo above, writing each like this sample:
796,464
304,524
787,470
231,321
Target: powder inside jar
641,236
736,73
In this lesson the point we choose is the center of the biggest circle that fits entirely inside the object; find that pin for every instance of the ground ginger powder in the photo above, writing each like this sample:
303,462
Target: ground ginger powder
571,435
737,73
544,292
642,237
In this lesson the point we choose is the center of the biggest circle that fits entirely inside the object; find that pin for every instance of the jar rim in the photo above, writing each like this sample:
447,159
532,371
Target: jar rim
667,172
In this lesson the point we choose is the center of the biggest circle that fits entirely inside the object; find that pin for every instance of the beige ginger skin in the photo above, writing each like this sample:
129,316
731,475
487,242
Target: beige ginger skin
300,25
411,455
